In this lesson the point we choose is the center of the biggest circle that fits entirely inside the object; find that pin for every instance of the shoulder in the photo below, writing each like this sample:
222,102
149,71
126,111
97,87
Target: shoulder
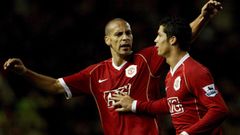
149,53
102,64
193,66
149,49
107,61
195,70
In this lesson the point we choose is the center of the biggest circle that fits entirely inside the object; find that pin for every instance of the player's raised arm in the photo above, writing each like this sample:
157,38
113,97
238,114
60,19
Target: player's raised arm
47,83
208,11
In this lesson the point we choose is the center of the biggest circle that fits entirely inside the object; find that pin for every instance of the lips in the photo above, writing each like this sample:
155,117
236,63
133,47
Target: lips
125,45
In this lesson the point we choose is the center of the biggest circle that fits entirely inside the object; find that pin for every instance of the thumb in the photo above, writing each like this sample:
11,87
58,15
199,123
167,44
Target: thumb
120,109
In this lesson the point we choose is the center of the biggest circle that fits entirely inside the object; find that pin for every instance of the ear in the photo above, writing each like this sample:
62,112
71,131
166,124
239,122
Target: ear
107,40
173,40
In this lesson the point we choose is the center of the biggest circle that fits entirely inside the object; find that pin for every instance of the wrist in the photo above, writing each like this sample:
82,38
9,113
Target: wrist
134,106
204,17
184,133
23,72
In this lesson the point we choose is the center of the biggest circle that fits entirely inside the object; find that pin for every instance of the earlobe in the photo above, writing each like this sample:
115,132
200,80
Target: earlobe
173,40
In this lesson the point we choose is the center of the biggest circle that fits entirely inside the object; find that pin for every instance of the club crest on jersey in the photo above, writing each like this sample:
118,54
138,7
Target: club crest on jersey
109,94
131,71
177,83
210,90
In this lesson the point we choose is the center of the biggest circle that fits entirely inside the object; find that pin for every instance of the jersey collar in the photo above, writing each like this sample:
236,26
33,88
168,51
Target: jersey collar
118,67
172,71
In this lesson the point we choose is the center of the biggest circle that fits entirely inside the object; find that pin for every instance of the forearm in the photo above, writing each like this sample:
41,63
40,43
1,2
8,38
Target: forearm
213,119
197,25
155,107
208,11
43,82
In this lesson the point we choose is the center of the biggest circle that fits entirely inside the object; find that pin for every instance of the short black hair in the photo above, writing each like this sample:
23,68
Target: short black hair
178,27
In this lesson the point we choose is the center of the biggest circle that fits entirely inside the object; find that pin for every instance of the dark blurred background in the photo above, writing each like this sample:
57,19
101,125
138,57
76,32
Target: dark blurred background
61,37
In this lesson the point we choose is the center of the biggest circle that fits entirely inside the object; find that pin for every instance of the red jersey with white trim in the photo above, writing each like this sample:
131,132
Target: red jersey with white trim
139,77
194,102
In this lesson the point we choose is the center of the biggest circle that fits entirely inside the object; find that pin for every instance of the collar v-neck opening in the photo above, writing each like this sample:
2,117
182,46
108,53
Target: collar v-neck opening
172,71
118,67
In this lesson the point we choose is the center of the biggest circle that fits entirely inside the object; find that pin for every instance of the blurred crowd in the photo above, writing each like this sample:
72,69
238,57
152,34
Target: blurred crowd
61,37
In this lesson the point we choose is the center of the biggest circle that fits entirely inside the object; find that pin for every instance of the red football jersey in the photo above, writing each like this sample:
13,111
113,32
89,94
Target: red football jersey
139,77
194,102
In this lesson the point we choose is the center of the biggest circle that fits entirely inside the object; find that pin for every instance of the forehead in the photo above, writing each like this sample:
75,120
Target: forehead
119,26
161,29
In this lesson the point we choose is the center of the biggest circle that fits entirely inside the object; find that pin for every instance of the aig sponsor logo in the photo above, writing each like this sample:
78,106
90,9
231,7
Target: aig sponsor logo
175,107
108,94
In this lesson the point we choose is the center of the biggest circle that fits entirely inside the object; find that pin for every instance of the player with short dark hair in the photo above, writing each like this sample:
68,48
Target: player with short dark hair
193,100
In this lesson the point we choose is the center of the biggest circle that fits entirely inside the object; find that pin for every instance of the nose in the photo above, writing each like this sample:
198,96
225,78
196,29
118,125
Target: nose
125,36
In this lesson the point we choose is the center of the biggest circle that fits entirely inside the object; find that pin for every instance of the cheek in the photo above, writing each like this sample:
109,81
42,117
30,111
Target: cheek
160,40
115,43
162,47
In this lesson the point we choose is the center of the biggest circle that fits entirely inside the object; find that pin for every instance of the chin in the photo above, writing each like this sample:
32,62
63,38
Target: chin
129,52
159,54
126,52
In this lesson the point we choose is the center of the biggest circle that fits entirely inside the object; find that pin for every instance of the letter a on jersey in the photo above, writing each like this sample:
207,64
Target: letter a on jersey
131,71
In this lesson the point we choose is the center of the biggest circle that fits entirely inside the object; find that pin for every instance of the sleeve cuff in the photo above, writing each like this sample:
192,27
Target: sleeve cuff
184,133
68,93
134,106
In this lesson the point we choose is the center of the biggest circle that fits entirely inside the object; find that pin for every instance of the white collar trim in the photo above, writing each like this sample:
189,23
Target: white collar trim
118,67
172,71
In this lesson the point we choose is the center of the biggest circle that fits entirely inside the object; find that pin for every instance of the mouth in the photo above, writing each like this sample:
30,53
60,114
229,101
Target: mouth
125,46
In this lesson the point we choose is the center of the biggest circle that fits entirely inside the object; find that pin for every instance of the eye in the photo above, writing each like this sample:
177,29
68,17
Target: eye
118,34
128,32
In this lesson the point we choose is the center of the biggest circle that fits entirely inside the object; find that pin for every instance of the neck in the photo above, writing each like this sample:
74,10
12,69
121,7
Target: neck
118,61
174,57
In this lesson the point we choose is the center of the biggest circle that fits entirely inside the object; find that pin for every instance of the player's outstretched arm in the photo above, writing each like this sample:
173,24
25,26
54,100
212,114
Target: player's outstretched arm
41,81
208,11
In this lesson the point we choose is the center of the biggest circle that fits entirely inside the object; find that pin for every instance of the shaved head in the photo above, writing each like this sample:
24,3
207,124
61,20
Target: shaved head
112,23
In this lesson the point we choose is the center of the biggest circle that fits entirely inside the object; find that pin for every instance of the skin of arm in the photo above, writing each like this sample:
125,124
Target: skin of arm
46,83
208,11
